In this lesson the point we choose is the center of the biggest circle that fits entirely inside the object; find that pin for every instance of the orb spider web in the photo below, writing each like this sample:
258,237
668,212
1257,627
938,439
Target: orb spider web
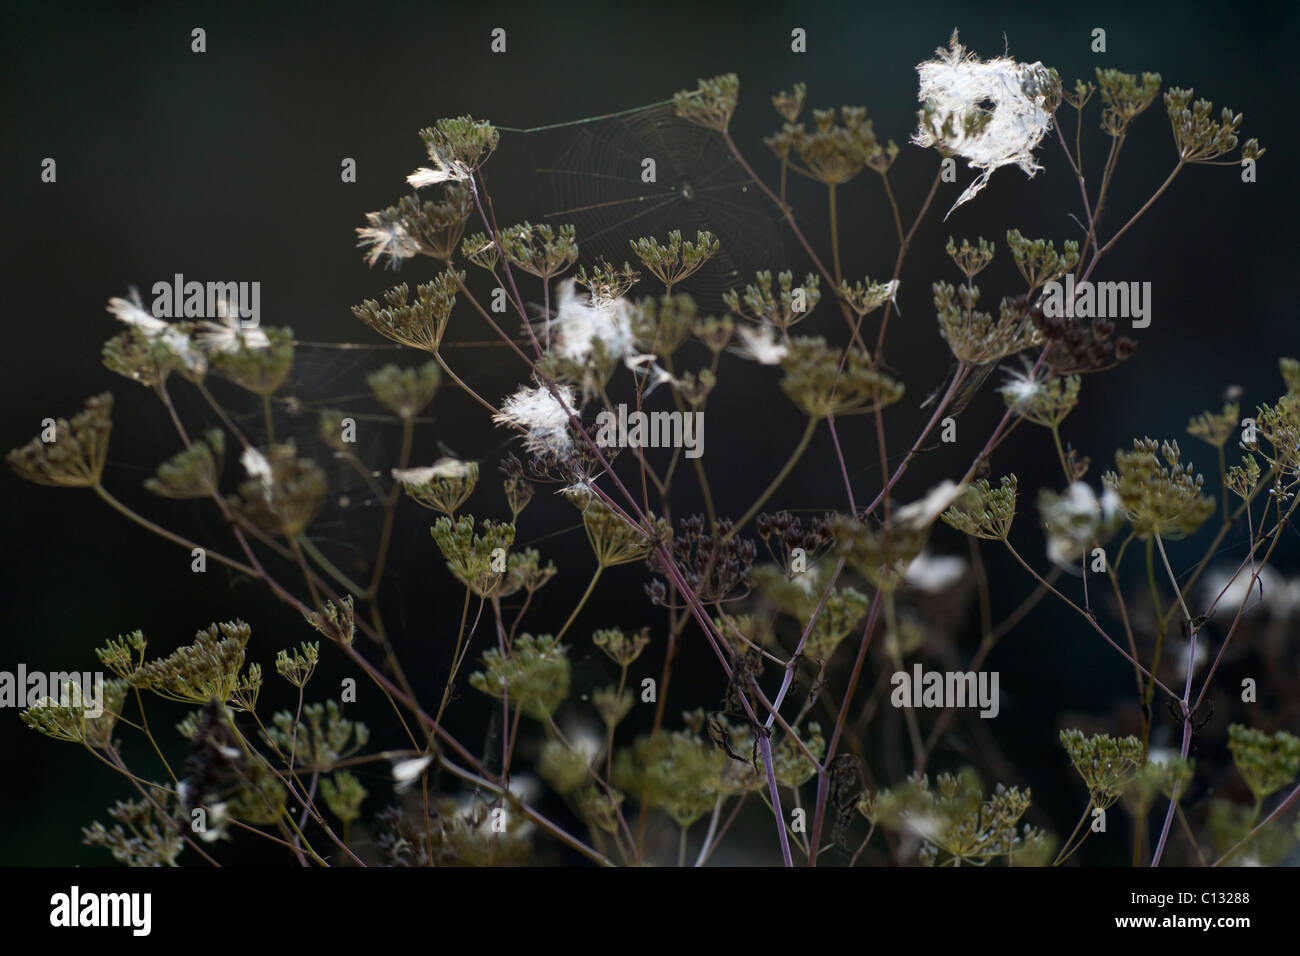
598,187
332,375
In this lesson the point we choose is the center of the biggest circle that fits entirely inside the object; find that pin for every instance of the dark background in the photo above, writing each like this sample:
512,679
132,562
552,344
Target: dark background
226,165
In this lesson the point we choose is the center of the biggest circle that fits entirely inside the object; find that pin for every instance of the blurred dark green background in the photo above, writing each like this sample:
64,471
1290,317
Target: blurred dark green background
226,165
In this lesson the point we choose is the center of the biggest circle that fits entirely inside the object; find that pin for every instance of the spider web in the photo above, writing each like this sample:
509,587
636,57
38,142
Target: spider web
597,185
333,376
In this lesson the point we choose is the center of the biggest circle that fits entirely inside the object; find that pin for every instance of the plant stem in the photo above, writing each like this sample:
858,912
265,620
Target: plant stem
776,482
591,586
835,234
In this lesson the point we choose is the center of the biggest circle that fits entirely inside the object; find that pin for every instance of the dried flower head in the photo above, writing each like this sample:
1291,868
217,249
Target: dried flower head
613,540
320,739
405,391
477,560
1216,429
954,822
1267,763
344,795
75,454
975,337
442,486
606,281
413,226
534,672
1038,261
790,105
136,355
525,572
783,310
283,493
836,152
298,664
715,333
711,103
1279,424
679,772
1124,97
983,511
621,648
1042,399
794,544
79,715
676,261
338,623
262,368
208,669
864,297
714,562
660,326
457,146
1242,479
817,382
1156,499
420,324
543,251
156,346
194,472
1105,764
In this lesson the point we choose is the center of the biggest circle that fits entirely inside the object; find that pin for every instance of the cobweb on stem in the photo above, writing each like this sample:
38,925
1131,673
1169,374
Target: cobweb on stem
698,185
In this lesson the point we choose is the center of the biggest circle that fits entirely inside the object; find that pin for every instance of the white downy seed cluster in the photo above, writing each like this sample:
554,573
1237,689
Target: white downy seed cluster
956,87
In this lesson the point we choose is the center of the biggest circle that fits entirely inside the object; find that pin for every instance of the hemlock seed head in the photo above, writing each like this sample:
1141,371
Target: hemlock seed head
1156,499
405,391
784,310
789,105
1267,763
1106,764
420,324
284,492
820,384
443,486
194,472
457,146
984,512
535,674
542,250
1124,97
262,367
711,104
1216,429
677,260
76,456
472,557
